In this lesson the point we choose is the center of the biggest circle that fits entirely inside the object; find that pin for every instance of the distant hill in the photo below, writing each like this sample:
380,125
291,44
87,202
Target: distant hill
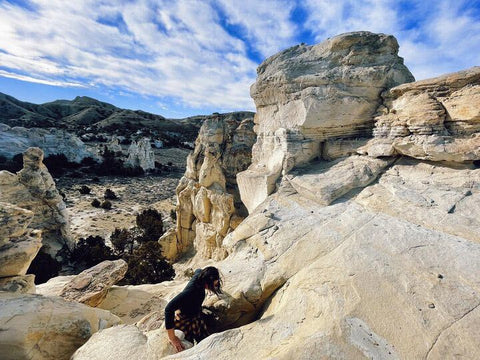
82,113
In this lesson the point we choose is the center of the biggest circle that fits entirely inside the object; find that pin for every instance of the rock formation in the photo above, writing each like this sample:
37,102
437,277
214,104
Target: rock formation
208,202
436,119
18,247
40,327
33,189
307,95
90,287
52,141
140,154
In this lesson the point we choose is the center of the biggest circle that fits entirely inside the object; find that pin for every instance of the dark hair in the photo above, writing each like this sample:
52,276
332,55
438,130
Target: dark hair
208,276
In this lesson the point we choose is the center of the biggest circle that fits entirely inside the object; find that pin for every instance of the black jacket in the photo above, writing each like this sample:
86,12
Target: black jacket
189,301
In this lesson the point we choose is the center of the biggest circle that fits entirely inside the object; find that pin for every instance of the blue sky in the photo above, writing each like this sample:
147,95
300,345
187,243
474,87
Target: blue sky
188,57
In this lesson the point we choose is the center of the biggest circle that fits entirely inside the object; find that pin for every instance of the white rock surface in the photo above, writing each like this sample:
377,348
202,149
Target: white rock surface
52,141
50,328
140,154
306,95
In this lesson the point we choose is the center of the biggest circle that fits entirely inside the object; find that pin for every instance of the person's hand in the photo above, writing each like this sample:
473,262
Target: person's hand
177,344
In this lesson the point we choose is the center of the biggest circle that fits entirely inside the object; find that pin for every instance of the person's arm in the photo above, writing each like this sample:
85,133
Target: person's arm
174,340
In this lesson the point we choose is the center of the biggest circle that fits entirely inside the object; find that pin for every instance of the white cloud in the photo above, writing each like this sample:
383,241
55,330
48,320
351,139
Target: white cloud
39,81
434,37
267,23
167,49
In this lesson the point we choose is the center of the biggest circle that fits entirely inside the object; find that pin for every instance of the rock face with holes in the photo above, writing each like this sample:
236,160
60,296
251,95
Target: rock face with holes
33,188
307,95
208,202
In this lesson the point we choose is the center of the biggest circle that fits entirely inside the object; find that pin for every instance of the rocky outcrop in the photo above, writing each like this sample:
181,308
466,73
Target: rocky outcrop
90,287
33,189
39,327
18,247
52,141
116,343
208,202
306,95
140,154
436,119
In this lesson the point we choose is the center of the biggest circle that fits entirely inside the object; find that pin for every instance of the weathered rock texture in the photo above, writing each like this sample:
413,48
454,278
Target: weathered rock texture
436,119
52,141
306,95
208,202
140,154
90,287
39,327
359,257
18,247
33,188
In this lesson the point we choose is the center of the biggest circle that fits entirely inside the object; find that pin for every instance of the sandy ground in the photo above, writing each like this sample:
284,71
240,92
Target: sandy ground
134,195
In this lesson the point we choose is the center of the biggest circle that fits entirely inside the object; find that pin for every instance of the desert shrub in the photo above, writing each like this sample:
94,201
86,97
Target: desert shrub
90,251
13,165
84,190
110,195
88,161
150,225
95,203
44,267
58,164
147,265
122,241
173,215
107,205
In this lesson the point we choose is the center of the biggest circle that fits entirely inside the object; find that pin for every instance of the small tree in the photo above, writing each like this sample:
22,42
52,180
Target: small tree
122,241
107,205
110,195
91,251
95,203
147,265
150,225
84,190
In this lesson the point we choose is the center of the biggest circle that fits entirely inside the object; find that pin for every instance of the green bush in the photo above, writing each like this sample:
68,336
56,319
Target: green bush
122,241
90,251
110,195
150,225
107,205
95,203
84,190
147,265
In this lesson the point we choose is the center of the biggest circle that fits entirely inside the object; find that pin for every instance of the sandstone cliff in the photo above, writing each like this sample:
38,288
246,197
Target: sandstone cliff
208,202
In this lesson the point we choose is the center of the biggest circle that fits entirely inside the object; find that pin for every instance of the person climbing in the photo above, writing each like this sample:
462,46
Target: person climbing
184,311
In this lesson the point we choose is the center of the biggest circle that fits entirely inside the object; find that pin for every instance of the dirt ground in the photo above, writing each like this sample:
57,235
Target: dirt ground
134,195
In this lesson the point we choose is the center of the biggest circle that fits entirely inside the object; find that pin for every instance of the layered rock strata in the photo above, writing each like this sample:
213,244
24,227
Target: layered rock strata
306,95
208,202
33,188
435,119
90,287
52,141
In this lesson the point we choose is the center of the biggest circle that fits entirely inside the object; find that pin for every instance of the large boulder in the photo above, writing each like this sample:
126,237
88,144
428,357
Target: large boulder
435,119
52,141
38,327
33,188
207,195
306,95
90,287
